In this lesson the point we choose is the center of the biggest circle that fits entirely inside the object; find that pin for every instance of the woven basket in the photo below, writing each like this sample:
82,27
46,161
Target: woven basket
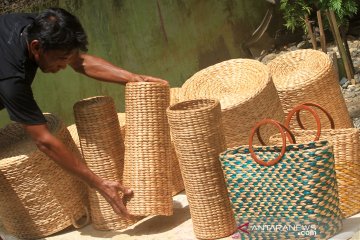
37,197
147,167
308,76
197,132
246,94
346,145
175,95
177,183
103,151
284,185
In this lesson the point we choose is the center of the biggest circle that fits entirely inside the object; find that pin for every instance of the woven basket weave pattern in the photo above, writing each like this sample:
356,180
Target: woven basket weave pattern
147,169
177,183
103,151
197,132
347,163
309,76
302,187
246,94
34,190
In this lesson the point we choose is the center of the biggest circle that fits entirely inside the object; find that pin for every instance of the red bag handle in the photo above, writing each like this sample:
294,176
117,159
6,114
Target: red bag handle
287,133
305,106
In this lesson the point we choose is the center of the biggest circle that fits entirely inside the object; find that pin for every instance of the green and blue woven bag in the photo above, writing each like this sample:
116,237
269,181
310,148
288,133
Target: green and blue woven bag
283,191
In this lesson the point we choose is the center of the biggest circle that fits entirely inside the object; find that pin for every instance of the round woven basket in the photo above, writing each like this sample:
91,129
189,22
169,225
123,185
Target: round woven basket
147,167
197,132
308,76
177,183
103,151
246,94
37,197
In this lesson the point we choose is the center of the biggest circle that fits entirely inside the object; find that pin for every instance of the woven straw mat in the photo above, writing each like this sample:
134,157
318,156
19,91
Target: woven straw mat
246,94
147,169
197,132
308,76
103,151
37,197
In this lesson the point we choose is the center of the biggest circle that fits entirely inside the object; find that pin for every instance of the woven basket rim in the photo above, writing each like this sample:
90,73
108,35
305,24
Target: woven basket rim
212,104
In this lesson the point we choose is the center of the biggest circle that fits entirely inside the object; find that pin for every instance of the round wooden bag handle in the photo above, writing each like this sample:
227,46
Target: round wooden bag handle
284,131
305,106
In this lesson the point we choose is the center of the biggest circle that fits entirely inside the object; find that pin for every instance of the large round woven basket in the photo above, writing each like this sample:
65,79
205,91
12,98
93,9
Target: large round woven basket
197,132
103,151
147,169
246,94
308,76
37,197
175,95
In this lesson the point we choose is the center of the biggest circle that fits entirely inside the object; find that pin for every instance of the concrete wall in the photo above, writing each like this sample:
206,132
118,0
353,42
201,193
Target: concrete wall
171,39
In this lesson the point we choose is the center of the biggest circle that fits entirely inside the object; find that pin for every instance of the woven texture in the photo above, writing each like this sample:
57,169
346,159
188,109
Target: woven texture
177,183
197,132
300,189
246,94
175,95
37,197
147,169
347,163
309,76
103,151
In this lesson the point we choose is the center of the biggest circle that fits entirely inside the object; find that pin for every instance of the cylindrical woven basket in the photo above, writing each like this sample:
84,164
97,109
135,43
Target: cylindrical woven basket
103,151
37,197
177,183
197,132
175,95
246,94
308,76
147,167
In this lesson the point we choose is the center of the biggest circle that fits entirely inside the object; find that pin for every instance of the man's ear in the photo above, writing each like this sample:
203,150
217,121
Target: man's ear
34,48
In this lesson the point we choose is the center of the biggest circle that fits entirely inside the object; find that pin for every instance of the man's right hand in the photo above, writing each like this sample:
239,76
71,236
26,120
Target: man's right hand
110,191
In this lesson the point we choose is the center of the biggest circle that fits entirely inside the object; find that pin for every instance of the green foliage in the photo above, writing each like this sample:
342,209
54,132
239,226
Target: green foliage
294,11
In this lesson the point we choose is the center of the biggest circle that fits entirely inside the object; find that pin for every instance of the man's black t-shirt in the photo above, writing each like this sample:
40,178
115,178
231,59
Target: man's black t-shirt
17,71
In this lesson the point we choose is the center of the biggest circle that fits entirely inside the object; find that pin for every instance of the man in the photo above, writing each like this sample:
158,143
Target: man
50,41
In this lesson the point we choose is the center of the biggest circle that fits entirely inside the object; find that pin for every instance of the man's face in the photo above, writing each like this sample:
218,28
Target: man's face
52,61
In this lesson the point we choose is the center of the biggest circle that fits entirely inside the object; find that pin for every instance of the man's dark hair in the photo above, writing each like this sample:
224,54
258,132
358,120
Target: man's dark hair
57,29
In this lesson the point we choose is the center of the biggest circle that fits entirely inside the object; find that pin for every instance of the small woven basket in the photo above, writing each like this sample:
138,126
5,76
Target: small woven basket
308,76
283,185
346,150
103,151
37,197
246,94
147,169
197,132
177,183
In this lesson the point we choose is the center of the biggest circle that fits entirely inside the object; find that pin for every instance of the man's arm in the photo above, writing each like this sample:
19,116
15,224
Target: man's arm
57,151
102,70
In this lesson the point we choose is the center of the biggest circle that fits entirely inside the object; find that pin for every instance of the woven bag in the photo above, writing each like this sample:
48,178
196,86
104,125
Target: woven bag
346,154
197,132
103,151
177,183
246,94
147,169
308,76
37,197
292,186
